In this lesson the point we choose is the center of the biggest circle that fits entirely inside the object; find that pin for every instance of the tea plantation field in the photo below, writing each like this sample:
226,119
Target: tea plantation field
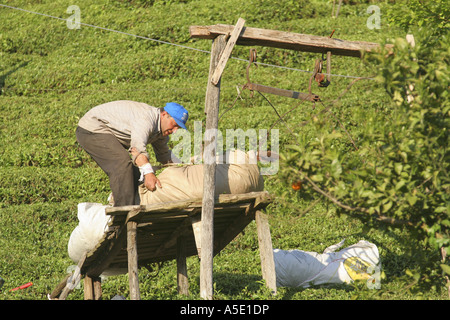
52,72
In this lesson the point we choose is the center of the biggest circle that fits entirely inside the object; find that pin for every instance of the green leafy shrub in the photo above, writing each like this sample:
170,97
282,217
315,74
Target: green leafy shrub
398,170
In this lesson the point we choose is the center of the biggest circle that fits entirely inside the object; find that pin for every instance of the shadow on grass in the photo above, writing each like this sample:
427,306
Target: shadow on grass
241,286
8,73
237,284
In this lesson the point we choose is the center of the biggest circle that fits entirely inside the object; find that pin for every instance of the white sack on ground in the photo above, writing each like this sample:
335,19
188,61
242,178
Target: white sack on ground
239,173
91,228
296,268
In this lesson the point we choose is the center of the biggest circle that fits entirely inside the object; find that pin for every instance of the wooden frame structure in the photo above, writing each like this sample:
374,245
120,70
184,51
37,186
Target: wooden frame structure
139,235
224,38
201,226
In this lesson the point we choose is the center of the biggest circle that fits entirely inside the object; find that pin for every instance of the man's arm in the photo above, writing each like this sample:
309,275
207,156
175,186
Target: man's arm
150,179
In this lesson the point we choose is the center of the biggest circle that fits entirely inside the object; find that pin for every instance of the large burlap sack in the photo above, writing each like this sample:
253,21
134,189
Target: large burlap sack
297,268
237,173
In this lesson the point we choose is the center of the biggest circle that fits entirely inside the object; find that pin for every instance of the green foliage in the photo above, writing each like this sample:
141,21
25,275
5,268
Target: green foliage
398,171
413,14
418,142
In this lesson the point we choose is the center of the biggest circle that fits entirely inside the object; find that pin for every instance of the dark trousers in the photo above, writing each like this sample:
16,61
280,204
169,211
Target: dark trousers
115,160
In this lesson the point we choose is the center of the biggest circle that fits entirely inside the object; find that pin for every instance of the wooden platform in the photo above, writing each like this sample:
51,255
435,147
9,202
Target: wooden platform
140,235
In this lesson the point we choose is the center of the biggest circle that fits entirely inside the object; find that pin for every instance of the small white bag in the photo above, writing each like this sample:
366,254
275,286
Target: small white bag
296,268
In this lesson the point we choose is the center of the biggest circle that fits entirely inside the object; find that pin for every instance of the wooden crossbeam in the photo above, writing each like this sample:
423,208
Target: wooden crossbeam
114,245
286,40
232,231
173,238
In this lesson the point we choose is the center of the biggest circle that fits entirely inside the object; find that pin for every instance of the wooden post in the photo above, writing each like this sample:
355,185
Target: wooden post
329,66
133,260
92,288
338,9
266,250
182,277
209,169
197,230
97,285
88,288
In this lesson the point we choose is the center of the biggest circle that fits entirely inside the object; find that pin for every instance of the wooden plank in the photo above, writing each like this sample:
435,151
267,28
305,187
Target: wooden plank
172,239
235,227
233,199
266,250
209,173
57,291
176,206
161,235
227,51
157,207
163,230
182,277
133,260
287,40
73,281
102,258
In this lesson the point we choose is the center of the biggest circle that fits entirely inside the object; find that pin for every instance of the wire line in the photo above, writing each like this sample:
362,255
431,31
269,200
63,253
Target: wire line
173,44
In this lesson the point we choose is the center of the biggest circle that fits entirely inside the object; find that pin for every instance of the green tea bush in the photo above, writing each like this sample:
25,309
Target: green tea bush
51,75
398,170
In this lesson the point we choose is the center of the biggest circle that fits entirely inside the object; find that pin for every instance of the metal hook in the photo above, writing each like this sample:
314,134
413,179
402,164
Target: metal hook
318,75
251,60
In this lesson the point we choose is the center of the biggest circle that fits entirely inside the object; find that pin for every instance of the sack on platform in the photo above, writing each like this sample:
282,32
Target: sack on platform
239,173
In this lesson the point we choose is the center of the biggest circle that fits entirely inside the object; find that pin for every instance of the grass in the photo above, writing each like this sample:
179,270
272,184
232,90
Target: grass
50,76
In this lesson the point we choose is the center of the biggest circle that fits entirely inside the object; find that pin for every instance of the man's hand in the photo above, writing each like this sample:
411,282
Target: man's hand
151,182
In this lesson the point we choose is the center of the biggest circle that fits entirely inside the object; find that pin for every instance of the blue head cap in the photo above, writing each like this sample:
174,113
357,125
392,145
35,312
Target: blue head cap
178,112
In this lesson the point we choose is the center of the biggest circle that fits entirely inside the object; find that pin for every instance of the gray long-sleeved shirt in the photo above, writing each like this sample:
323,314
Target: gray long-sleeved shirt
134,124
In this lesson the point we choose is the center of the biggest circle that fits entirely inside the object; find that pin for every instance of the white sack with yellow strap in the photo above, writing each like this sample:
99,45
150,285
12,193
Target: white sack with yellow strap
297,268
237,173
